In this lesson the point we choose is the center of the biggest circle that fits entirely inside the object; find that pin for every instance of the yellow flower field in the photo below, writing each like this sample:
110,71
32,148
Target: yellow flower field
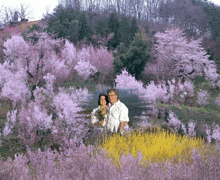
155,147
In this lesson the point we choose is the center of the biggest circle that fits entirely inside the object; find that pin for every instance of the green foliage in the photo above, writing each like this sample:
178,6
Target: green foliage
213,13
113,25
76,25
70,23
73,31
61,20
206,115
101,27
133,58
84,28
134,28
127,30
11,145
124,31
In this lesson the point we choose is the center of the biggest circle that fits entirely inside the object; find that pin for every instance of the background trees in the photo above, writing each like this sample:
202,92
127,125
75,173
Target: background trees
10,14
118,21
84,29
133,58
77,26
187,14
212,44
176,56
113,25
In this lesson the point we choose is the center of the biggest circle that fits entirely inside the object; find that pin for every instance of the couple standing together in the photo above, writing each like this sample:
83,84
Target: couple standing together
111,114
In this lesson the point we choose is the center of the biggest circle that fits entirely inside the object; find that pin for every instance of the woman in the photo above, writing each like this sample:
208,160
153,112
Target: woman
99,114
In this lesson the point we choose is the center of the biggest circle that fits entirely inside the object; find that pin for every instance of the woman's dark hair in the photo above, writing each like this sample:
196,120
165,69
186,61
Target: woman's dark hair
106,98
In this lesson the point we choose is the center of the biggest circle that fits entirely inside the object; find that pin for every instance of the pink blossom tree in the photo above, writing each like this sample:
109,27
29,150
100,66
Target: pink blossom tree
56,112
100,58
69,54
202,97
176,56
191,128
88,60
127,81
37,56
10,124
85,69
174,92
13,84
175,123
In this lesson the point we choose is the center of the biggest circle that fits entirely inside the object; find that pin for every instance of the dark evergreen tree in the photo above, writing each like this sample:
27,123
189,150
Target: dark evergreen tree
133,58
124,31
61,21
101,27
134,28
73,31
84,28
113,26
214,20
119,60
113,23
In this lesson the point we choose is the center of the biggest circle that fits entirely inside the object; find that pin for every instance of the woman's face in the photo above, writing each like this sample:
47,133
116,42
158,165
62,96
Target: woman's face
102,101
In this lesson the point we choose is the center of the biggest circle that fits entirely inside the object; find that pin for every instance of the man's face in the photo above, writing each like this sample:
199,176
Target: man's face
112,97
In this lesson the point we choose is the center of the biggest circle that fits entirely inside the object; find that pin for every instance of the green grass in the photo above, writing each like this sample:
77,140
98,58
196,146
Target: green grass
91,86
10,146
191,110
199,114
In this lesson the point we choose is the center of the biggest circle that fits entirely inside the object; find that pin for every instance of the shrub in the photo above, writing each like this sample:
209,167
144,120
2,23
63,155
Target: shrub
202,97
154,147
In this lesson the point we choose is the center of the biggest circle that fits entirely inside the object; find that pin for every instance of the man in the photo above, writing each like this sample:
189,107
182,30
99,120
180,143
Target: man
117,112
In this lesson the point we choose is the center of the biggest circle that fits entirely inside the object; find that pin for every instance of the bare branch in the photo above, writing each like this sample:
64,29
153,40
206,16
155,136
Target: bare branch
24,11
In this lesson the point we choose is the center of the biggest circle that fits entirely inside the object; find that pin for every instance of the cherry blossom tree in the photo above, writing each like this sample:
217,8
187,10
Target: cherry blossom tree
91,60
37,56
102,59
212,132
69,54
88,60
27,62
10,124
176,56
40,63
13,84
191,128
85,69
127,81
175,92
175,123
202,97
51,116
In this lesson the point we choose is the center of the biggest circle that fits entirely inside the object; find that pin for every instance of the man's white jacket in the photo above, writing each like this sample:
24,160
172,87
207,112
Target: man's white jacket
116,114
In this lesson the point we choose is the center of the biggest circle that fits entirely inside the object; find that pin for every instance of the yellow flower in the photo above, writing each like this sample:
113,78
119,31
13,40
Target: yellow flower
154,147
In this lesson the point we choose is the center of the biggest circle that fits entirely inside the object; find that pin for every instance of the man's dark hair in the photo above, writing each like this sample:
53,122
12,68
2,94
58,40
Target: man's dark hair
106,98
